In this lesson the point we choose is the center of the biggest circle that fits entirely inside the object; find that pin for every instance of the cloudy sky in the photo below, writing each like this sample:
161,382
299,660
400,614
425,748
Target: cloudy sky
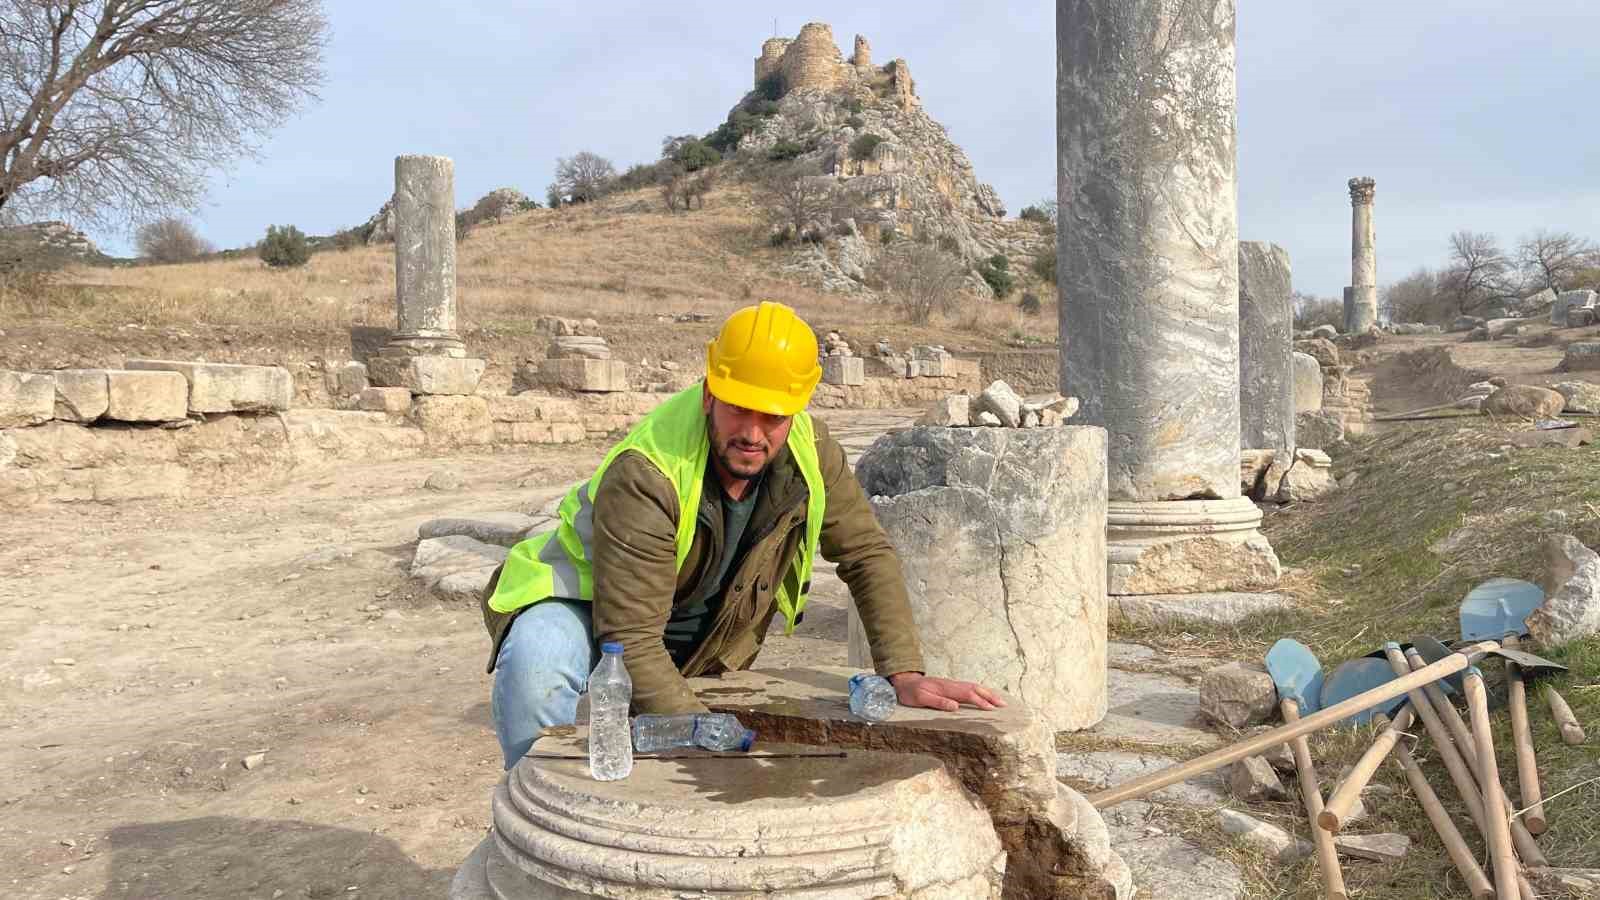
1470,114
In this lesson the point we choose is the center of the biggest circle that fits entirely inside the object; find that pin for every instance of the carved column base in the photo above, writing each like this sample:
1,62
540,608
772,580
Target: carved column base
1187,547
425,343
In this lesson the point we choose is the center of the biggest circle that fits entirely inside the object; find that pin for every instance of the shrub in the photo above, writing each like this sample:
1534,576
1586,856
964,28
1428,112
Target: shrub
856,122
552,196
780,236
770,87
1034,214
919,278
996,272
1044,266
643,175
350,238
1030,303
862,146
766,109
169,240
785,150
855,105
696,155
283,247
729,133
463,225
527,203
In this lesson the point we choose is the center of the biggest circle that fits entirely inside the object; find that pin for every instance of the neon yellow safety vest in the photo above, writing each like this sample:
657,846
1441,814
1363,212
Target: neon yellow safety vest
673,437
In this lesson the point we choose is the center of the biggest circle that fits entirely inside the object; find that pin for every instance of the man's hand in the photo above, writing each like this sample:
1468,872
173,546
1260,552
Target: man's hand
916,689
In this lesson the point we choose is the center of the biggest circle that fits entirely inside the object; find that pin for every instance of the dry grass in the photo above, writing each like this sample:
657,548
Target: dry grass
1363,565
620,260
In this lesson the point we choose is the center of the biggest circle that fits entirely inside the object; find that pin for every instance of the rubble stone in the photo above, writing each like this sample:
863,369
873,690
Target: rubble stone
1269,840
1525,401
580,346
952,411
440,375
846,370
1581,357
1571,609
502,528
1253,780
1238,694
1375,847
133,396
1581,396
26,399
585,375
82,395
225,387
998,398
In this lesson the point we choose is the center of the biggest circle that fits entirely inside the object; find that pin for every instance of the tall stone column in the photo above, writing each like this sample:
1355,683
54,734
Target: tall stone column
425,257
1148,256
1266,348
1361,298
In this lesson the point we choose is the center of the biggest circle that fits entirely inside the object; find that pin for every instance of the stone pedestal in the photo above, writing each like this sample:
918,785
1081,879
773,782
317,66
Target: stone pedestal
1001,535
1149,272
845,370
1266,348
445,375
1361,297
582,374
862,826
1187,546
425,258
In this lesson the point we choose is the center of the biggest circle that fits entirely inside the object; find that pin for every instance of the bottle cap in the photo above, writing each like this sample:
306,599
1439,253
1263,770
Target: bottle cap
748,742
858,678
611,647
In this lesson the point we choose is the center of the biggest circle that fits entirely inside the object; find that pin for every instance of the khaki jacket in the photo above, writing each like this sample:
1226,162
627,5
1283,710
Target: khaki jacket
636,586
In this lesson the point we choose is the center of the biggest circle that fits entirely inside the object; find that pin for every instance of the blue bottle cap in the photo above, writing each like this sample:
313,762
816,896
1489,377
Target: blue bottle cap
748,742
611,647
857,679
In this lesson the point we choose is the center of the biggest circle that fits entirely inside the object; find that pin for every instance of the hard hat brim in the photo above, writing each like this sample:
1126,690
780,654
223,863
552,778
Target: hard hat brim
763,400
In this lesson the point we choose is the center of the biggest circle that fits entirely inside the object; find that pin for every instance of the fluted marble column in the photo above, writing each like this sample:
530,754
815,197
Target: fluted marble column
1148,256
1361,298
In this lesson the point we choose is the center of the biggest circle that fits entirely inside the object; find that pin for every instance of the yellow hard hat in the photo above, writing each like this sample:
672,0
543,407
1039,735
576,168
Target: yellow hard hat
764,359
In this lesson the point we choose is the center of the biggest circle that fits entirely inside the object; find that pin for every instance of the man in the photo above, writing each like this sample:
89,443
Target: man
695,532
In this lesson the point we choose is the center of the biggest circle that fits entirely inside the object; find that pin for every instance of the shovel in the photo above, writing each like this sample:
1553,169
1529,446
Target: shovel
1357,676
1498,609
1348,680
1298,677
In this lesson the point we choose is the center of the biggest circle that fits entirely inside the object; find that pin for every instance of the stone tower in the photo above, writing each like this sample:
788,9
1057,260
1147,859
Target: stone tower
862,57
771,59
813,60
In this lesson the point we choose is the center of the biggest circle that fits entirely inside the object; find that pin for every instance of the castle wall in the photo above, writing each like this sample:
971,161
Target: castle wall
813,60
771,58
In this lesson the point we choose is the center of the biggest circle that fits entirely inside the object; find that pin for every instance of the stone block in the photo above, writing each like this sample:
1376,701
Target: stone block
1307,385
1238,694
588,375
225,387
1057,844
146,396
1004,557
453,421
441,375
1581,396
953,411
82,395
1221,608
1253,780
396,401
539,432
1581,357
1267,376
1581,318
1525,401
350,379
528,407
26,398
1323,350
1191,564
1305,482
580,347
845,370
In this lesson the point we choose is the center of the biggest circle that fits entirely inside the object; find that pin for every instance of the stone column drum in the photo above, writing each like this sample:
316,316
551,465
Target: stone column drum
425,257
1266,348
1148,256
1361,300
1001,535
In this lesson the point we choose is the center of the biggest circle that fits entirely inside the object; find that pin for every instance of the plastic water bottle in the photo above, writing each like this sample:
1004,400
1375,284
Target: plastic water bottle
708,731
610,692
872,697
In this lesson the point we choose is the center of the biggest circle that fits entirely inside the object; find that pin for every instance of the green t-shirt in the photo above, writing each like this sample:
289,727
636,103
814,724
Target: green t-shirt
690,623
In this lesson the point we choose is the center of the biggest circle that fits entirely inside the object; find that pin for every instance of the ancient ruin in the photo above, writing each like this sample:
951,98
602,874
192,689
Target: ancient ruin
1149,288
1361,297
1266,351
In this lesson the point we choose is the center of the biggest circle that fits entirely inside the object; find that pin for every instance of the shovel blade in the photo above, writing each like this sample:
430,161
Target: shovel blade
1432,650
1357,676
1498,607
1296,674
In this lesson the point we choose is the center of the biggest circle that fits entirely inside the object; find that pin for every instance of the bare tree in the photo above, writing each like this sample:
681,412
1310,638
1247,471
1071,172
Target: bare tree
583,178
1414,298
1479,272
1550,259
797,198
1311,311
920,278
169,240
114,110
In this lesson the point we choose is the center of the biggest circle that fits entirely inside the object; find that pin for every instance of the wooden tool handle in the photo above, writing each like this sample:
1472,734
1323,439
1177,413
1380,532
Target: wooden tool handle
1346,795
1322,718
1571,731
1501,853
1522,737
1449,835
1311,792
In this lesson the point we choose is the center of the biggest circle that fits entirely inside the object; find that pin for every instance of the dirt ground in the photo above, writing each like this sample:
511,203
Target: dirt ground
149,648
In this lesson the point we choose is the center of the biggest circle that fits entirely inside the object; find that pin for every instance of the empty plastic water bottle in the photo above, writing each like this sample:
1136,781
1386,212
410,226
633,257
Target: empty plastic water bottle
872,697
610,692
708,731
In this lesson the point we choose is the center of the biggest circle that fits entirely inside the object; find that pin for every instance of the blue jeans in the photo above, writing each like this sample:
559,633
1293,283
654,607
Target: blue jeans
543,665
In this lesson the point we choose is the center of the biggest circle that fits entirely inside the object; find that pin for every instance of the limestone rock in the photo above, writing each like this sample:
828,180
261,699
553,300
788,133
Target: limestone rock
998,398
82,395
1581,396
1200,564
1524,401
1252,779
505,529
577,346
443,481
1319,429
1376,847
454,421
1268,840
396,401
380,227
1001,535
846,370
465,560
585,375
349,379
1581,357
496,206
1238,694
952,411
1218,608
1326,332
988,419
1279,756
1495,329
1465,323
441,375
26,399
1266,334
1310,478
1571,608
146,396
224,387
1307,384
1171,868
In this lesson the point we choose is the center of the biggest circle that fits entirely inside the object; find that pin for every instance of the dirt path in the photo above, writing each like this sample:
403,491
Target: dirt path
147,649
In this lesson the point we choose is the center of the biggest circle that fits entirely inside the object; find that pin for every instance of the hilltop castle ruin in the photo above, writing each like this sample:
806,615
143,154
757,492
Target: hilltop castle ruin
812,60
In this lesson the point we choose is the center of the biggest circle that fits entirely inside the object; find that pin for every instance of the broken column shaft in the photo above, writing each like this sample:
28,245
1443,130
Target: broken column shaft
425,257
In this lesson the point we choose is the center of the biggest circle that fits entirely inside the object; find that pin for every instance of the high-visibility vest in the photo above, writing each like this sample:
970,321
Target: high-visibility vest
673,438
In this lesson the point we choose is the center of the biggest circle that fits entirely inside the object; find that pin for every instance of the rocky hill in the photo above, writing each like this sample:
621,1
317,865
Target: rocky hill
46,245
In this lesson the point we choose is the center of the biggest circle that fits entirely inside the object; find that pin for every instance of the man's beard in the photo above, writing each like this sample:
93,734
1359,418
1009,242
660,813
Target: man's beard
735,466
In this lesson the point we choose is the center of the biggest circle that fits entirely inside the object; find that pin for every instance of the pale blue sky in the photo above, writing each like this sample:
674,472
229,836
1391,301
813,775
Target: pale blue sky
1470,114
